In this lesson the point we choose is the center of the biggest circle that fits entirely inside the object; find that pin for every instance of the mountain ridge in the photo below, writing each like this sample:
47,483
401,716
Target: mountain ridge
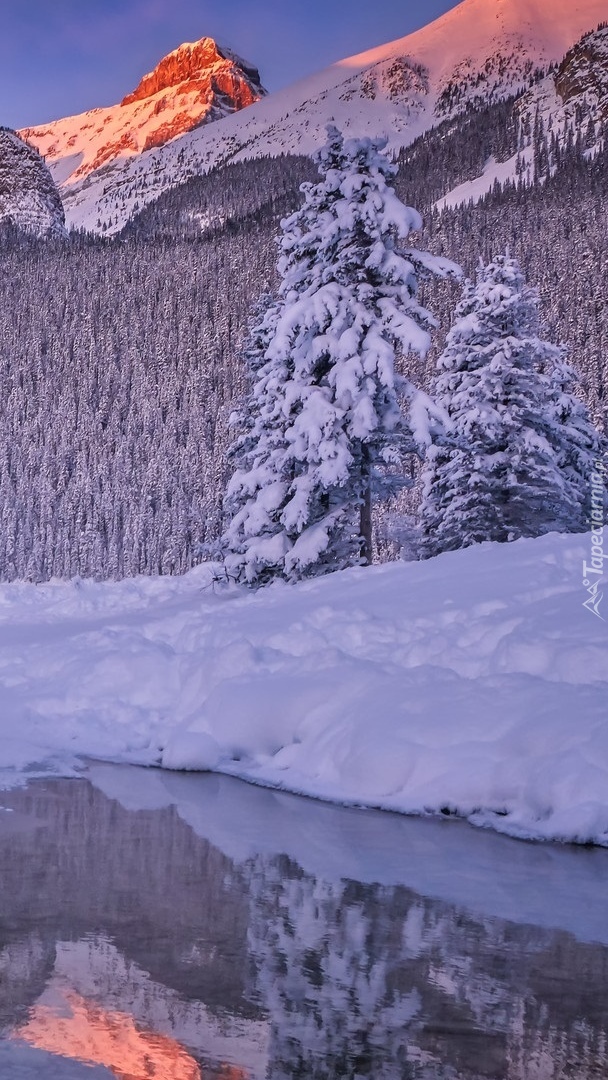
195,84
478,52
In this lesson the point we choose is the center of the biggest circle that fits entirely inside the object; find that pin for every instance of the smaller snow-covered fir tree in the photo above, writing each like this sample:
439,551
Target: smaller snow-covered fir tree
521,449
323,411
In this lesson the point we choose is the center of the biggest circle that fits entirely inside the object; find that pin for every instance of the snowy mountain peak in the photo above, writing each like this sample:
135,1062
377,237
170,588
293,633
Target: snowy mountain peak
196,60
194,85
485,48
479,52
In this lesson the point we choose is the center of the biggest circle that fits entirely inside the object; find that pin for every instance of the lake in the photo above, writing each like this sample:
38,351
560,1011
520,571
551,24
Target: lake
156,926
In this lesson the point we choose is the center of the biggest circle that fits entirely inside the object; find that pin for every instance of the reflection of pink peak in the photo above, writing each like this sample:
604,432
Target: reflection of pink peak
83,1031
101,1008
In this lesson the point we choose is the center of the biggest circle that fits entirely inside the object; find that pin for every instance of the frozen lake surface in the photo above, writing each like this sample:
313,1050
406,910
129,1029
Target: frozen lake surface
163,927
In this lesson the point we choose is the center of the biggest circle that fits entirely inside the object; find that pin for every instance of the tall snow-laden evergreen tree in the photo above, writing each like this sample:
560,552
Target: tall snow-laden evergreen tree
521,448
323,411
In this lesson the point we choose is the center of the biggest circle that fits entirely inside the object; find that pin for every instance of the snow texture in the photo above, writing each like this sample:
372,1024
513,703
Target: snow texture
473,683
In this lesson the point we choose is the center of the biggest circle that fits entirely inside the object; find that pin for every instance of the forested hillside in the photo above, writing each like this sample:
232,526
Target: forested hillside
120,359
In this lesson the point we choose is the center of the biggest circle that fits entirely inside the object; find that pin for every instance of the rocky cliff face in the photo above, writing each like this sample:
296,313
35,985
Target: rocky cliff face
28,195
201,65
194,85
584,72
571,103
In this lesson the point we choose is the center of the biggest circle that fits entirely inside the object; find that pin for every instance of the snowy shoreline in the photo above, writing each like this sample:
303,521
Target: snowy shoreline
474,683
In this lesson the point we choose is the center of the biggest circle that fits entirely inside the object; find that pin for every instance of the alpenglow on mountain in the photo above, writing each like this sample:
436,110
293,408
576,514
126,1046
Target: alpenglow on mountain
196,84
479,52
29,198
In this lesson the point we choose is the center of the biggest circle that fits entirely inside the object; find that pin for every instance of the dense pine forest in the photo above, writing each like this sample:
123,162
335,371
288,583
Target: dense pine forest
121,362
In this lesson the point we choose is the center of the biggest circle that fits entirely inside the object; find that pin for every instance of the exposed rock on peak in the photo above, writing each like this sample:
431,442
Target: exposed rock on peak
584,71
194,85
28,196
478,53
195,61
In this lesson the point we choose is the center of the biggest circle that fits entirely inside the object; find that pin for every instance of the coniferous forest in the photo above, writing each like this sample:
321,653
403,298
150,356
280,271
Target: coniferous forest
121,358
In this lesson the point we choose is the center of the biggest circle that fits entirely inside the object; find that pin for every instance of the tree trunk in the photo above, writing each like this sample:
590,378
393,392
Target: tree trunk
366,513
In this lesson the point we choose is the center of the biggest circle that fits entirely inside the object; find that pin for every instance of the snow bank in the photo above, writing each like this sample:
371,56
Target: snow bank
474,683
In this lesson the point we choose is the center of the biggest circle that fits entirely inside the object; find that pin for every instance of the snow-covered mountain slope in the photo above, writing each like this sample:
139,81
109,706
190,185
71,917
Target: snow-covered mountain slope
568,104
479,51
28,196
574,98
196,84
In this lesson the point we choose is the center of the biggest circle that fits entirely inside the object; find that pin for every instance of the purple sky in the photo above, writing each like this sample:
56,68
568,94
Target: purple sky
59,57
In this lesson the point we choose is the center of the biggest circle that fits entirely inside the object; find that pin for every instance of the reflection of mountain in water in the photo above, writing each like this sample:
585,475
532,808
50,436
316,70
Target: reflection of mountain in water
167,895
109,918
129,941
100,1008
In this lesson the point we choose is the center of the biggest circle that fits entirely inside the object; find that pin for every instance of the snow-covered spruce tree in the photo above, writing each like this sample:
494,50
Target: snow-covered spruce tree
323,411
521,448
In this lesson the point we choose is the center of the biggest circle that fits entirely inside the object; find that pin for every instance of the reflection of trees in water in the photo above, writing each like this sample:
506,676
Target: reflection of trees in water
356,980
324,971
372,981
